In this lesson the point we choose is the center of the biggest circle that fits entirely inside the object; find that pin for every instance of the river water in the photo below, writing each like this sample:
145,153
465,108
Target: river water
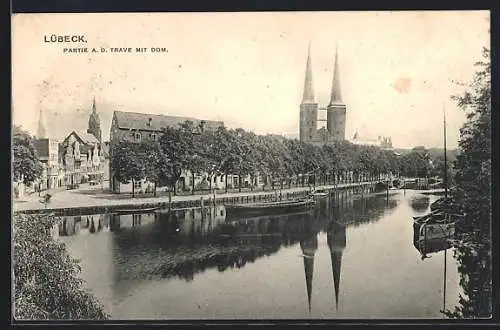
352,256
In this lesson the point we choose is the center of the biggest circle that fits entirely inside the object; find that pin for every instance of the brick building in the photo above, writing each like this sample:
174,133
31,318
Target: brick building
335,111
136,127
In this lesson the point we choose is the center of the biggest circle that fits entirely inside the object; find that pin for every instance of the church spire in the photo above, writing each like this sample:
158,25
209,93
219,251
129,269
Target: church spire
308,95
336,94
94,123
41,132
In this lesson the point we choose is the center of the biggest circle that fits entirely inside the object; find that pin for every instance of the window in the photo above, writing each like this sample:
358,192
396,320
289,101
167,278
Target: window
137,136
215,179
137,184
153,136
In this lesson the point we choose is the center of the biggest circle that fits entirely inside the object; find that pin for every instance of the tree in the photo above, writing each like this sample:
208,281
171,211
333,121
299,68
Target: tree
128,162
472,195
46,279
172,149
26,166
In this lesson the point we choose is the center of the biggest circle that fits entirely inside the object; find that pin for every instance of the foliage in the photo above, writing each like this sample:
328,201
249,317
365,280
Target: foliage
472,195
26,165
46,281
236,151
127,161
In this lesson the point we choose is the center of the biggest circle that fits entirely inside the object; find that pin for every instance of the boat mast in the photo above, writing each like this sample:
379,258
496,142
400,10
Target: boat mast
445,196
445,157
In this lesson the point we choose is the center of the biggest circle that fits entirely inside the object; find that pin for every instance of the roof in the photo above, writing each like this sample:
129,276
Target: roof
87,137
84,137
153,122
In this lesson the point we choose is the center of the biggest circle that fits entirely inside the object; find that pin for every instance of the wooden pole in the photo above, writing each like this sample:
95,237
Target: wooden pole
445,156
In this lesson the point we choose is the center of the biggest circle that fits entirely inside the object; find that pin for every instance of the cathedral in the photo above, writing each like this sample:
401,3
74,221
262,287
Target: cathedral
336,110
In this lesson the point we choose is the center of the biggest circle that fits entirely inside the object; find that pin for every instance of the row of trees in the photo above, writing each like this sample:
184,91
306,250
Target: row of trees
238,152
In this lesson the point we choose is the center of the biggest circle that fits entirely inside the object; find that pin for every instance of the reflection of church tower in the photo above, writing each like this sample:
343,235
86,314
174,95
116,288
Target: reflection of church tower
94,123
336,239
40,131
309,247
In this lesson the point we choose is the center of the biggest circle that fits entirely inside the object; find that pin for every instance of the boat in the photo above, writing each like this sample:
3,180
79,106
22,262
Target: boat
269,207
319,193
440,222
442,203
136,210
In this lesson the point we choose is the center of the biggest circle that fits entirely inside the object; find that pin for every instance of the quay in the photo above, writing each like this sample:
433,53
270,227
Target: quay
70,203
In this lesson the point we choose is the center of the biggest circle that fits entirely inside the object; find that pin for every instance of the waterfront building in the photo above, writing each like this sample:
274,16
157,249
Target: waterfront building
82,158
137,127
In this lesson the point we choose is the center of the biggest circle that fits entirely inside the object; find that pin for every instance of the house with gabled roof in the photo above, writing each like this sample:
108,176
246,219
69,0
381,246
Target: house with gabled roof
137,127
83,158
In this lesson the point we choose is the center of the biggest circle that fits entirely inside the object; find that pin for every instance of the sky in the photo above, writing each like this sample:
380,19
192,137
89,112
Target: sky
397,69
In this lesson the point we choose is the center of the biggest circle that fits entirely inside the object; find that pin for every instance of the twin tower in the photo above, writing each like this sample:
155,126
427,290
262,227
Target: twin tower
336,110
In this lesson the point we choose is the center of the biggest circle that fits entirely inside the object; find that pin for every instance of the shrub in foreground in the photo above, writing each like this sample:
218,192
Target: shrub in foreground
46,278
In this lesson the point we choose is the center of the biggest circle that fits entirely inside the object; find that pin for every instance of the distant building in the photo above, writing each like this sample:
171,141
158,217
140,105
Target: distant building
335,111
136,127
95,123
383,142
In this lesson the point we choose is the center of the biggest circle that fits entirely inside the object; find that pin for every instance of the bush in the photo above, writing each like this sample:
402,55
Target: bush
46,278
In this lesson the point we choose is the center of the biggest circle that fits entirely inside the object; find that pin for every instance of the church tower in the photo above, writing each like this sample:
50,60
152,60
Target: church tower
336,110
41,133
308,106
94,123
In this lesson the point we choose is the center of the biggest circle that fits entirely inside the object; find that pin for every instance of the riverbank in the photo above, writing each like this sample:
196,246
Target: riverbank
73,202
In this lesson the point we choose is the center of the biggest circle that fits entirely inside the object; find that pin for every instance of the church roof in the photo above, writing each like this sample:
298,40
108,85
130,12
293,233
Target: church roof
153,122
308,95
336,93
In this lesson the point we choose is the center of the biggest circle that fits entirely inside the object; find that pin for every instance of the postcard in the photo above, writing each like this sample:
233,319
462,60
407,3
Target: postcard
251,166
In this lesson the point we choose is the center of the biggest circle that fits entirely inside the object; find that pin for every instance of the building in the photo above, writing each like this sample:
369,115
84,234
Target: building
48,153
136,127
79,158
335,111
383,142
82,158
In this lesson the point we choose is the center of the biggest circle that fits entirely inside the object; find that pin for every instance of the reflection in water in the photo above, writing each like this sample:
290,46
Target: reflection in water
183,244
419,203
309,245
336,239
